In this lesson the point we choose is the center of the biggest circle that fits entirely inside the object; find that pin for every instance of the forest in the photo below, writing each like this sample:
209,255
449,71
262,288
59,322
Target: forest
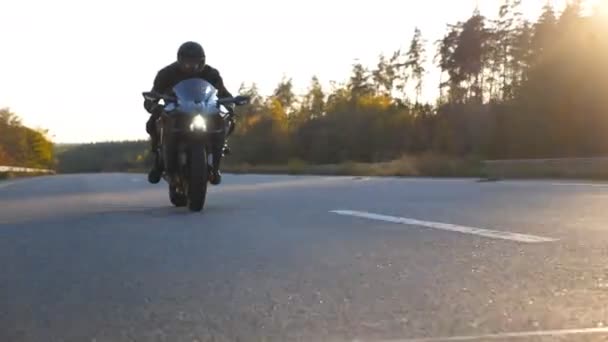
23,146
509,88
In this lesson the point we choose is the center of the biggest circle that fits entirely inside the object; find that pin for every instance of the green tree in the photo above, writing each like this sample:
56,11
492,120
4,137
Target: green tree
384,76
570,16
449,65
544,33
504,44
5,159
313,103
522,55
284,94
21,145
469,55
416,59
359,84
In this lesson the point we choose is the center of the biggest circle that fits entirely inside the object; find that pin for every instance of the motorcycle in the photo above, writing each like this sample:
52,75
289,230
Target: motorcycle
191,120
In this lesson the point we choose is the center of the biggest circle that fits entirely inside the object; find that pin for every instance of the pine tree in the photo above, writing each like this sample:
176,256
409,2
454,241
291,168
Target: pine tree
544,33
359,84
284,94
416,58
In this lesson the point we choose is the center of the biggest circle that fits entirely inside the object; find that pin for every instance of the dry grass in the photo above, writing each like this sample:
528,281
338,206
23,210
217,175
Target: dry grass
407,166
575,168
11,175
433,165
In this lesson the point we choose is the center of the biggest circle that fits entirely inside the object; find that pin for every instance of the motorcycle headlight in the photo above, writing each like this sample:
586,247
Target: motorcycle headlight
198,124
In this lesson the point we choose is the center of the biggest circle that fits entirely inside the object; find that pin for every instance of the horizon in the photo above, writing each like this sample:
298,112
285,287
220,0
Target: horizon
83,56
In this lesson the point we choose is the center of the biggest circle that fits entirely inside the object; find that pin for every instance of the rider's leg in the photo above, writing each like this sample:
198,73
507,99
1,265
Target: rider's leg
154,175
217,151
230,126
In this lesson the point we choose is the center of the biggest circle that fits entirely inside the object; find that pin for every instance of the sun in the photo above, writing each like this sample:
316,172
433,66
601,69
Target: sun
601,8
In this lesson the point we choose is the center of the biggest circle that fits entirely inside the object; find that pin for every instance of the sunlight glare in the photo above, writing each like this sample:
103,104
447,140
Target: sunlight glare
601,9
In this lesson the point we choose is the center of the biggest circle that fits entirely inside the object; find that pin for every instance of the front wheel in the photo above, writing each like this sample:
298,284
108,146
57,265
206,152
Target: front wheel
198,178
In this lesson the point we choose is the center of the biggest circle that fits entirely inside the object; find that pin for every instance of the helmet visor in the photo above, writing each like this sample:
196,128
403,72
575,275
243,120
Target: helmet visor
191,65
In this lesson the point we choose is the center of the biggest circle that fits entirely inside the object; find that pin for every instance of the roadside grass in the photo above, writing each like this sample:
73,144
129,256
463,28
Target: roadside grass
427,165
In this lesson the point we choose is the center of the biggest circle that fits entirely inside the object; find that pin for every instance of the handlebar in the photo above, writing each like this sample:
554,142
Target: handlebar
154,96
237,100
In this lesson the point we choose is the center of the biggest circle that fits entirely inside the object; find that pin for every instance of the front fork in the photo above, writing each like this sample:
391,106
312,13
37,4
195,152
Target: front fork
183,154
174,151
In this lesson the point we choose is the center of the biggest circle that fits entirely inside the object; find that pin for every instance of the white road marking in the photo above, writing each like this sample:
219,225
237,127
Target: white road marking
593,185
4,185
136,180
295,182
500,336
554,183
494,234
361,179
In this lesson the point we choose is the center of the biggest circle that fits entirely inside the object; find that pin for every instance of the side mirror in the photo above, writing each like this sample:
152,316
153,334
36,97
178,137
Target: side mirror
241,100
150,96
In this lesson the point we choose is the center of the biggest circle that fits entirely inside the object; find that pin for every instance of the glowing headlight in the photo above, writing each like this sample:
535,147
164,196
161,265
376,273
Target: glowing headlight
198,123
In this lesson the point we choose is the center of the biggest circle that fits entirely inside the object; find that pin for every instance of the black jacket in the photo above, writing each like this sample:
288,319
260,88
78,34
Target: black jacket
170,75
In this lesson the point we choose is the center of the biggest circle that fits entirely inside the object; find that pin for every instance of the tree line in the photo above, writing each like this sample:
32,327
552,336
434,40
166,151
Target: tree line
509,88
104,157
23,146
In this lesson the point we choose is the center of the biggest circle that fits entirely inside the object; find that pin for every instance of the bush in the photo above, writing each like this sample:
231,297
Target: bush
296,166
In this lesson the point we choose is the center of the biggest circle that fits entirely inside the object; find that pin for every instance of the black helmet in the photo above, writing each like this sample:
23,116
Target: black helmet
191,56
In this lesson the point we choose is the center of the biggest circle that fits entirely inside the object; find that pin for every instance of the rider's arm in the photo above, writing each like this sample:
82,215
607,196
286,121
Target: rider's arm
152,106
216,79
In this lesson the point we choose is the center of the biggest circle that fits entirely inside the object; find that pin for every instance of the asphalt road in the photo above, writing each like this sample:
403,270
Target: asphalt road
106,258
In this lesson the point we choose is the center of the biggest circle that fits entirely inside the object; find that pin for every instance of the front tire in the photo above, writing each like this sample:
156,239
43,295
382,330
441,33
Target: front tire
199,176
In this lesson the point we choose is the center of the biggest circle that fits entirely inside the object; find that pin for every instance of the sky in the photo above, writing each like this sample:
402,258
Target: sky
78,68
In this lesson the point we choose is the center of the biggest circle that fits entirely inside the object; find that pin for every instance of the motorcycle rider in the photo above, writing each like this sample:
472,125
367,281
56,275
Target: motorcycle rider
191,62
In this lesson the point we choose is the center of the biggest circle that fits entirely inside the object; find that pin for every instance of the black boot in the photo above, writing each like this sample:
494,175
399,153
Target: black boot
226,150
216,175
231,125
156,172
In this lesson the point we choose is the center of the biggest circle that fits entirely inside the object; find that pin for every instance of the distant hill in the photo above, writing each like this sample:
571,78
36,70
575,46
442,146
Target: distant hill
102,157
59,148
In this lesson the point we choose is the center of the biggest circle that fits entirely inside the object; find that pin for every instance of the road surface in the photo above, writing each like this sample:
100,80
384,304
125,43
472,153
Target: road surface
283,258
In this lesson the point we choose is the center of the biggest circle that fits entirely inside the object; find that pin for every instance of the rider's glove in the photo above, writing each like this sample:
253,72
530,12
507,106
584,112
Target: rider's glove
157,109
230,108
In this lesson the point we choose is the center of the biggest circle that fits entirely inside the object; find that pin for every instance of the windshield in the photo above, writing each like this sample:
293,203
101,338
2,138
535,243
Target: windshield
194,90
194,94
